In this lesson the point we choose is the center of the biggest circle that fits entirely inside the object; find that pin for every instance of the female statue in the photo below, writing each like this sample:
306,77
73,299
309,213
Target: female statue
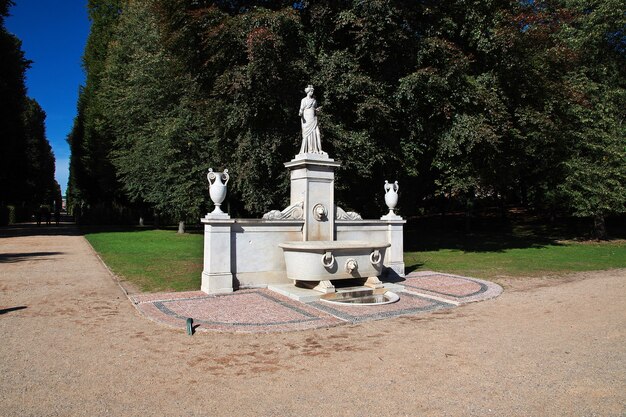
311,140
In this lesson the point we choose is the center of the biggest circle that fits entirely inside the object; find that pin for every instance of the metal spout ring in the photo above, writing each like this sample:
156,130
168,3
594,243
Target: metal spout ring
375,257
328,260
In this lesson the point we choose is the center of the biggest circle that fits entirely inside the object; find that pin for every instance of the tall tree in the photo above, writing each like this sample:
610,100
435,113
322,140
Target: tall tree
154,111
26,159
255,62
461,101
454,105
13,161
41,185
92,177
594,98
251,66
357,52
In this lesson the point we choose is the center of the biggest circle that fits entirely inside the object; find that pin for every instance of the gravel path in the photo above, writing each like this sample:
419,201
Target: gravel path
72,344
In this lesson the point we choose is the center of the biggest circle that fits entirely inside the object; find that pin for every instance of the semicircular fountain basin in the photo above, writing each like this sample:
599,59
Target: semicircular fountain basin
330,260
362,297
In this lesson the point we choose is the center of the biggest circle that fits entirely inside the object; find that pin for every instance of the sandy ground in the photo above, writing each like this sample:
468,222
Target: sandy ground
546,347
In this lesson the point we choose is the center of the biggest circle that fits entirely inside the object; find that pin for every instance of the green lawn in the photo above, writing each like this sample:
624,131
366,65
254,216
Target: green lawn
520,245
530,261
153,260
162,260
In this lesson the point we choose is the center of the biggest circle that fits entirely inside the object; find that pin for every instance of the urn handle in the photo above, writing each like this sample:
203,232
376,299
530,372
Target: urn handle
212,177
391,187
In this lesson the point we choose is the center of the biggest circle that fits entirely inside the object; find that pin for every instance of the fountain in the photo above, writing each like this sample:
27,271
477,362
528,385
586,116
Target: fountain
310,245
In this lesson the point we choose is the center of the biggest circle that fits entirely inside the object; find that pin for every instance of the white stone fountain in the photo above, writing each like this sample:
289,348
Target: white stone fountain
312,243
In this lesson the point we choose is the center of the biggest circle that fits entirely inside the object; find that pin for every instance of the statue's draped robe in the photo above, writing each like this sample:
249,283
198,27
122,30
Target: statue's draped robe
311,141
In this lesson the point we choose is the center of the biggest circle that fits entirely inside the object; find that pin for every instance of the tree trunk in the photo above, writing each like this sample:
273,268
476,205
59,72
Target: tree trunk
523,194
442,214
502,207
599,228
469,207
181,227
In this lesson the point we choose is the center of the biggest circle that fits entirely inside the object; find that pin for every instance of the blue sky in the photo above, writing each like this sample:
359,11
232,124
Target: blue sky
53,35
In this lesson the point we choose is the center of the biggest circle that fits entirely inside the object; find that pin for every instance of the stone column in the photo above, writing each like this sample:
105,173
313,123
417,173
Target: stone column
313,183
217,275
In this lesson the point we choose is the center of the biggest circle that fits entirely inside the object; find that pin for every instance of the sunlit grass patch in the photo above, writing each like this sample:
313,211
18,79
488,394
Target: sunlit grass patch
162,260
559,257
153,260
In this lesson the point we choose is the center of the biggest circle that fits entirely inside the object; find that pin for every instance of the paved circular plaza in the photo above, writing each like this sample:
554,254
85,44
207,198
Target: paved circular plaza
262,310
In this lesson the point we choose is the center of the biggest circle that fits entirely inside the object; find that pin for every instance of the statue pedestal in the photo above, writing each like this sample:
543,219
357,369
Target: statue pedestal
313,184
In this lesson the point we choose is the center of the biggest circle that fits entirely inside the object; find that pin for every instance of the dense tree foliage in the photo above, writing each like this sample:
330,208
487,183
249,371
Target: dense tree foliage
595,166
26,158
155,113
41,187
465,101
93,187
13,66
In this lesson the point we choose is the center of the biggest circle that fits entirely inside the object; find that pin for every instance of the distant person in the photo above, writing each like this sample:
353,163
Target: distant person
38,215
46,213
57,214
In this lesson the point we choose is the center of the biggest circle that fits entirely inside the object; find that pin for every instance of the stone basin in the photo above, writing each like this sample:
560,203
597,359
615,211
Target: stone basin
326,260
361,297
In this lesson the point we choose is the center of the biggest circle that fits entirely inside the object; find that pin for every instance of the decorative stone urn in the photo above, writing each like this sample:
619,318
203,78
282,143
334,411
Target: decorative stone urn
217,189
391,197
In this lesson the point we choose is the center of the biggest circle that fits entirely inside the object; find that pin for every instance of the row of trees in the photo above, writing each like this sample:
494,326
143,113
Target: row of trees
511,102
26,158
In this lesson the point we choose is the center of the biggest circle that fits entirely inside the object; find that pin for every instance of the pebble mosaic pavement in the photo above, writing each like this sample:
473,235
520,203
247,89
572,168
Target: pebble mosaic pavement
261,310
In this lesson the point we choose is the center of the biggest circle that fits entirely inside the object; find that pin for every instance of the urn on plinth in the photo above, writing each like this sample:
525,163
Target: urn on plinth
391,199
217,190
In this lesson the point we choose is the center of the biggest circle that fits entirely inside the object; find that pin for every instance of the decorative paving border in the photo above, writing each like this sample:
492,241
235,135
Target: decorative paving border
271,312
169,296
486,289
483,288
261,310
161,305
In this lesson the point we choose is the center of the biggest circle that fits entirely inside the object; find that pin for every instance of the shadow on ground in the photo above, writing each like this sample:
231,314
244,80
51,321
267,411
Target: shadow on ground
10,309
66,227
410,268
26,256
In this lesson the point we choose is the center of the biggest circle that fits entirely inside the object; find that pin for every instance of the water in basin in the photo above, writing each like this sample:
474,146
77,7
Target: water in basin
364,297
